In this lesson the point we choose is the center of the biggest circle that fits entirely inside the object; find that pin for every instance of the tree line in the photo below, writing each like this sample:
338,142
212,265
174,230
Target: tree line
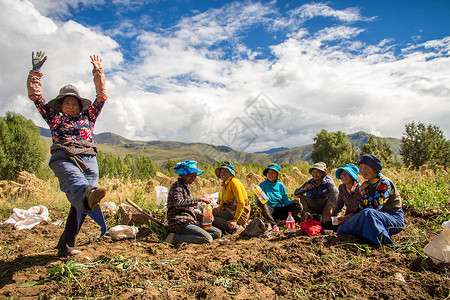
22,149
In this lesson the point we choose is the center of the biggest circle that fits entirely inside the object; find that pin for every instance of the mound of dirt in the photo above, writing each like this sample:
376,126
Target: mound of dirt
257,268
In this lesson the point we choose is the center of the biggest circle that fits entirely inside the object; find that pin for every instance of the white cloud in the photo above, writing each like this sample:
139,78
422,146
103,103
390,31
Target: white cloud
190,81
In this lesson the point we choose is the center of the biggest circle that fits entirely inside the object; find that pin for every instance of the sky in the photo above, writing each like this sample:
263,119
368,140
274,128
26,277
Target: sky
251,75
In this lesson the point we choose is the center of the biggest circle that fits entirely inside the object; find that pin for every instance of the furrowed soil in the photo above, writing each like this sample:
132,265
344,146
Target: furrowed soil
257,268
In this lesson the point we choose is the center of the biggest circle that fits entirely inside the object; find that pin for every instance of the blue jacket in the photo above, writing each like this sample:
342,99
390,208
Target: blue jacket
326,189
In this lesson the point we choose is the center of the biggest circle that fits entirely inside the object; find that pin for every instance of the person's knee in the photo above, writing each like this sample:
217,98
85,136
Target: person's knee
369,213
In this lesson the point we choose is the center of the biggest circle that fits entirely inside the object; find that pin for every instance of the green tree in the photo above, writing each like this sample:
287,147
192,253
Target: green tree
379,147
168,168
144,168
21,147
424,144
333,148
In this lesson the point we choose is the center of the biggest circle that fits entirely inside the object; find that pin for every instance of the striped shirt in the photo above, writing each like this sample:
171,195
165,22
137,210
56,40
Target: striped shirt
181,207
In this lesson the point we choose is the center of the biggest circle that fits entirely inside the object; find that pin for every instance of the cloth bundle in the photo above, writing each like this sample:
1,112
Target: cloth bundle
27,219
311,227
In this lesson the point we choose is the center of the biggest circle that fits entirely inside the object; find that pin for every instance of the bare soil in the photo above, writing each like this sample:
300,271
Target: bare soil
302,267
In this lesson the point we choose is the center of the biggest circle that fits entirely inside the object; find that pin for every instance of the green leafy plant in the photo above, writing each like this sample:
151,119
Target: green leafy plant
119,262
67,271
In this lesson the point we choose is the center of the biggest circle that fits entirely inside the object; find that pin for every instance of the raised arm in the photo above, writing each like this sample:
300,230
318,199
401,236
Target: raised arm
99,78
34,85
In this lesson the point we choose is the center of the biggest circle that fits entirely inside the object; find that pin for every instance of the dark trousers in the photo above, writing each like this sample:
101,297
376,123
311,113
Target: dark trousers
272,213
71,230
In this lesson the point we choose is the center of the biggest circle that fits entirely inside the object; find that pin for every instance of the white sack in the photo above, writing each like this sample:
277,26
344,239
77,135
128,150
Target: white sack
123,232
27,219
161,195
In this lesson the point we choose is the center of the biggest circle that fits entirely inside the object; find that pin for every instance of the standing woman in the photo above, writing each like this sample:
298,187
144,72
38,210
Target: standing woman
380,213
185,221
71,119
234,208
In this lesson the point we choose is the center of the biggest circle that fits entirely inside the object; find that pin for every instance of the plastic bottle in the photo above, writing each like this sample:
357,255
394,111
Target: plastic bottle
207,217
290,225
259,192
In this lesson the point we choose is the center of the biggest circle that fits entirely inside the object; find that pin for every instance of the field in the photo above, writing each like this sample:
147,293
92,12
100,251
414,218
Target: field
258,268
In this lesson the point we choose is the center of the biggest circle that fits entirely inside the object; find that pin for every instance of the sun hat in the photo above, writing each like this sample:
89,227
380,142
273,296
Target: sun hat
69,90
321,166
272,166
372,161
351,169
226,165
187,167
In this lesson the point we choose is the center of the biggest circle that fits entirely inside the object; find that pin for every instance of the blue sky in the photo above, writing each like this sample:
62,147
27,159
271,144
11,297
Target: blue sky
252,75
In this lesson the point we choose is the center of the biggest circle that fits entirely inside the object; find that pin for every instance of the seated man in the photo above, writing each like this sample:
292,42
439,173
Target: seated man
318,195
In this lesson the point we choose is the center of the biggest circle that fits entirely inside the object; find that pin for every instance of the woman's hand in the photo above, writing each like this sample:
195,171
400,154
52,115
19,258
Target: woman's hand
99,78
96,62
364,185
232,224
38,60
296,200
308,187
204,199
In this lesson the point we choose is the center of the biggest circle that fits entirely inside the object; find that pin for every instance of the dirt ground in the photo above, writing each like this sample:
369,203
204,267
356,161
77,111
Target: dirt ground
256,268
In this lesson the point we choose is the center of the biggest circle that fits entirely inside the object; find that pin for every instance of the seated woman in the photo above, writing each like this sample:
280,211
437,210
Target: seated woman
278,206
318,195
185,222
380,213
349,192
234,208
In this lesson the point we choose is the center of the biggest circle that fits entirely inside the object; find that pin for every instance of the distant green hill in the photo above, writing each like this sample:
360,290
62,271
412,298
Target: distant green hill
161,151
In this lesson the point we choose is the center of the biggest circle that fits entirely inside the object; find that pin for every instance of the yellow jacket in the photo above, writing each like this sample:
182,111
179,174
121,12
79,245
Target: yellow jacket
234,199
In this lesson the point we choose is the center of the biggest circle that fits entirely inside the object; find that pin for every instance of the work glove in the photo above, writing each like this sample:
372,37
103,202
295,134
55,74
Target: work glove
99,78
38,60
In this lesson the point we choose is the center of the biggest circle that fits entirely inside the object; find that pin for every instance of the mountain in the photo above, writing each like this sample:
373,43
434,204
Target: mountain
161,151
273,150
45,132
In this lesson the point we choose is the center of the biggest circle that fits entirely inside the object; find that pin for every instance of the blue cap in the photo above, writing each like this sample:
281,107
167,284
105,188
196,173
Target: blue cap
272,166
351,169
187,167
226,165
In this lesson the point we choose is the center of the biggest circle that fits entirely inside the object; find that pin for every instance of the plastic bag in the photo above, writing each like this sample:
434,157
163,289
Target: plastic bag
123,232
109,206
439,248
161,195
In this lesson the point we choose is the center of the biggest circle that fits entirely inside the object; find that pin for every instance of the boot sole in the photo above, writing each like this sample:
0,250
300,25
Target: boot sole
95,197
